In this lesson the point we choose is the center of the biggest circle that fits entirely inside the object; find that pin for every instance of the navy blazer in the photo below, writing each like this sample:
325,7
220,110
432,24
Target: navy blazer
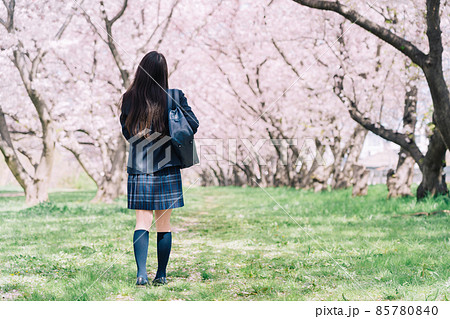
148,155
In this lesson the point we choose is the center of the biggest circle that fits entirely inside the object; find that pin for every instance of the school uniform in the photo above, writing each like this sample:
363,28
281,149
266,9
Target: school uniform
153,167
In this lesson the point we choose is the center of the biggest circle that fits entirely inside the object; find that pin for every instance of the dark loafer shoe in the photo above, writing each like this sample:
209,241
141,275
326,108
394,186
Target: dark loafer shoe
159,281
141,282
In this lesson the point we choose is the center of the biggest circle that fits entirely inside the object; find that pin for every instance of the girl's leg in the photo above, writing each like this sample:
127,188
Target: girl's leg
140,240
162,220
144,219
164,240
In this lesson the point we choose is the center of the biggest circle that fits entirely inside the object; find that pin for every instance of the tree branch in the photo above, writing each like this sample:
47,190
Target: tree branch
30,158
120,13
434,31
82,157
403,140
10,155
9,23
111,43
166,25
67,21
404,46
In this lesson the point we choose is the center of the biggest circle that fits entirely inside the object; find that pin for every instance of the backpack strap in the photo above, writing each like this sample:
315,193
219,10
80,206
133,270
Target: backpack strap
173,99
170,100
177,97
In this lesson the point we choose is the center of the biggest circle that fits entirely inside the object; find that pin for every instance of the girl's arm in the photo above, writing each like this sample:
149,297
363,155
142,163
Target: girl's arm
188,113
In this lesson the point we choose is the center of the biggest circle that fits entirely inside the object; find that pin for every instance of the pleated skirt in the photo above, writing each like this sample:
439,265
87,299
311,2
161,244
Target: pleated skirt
157,191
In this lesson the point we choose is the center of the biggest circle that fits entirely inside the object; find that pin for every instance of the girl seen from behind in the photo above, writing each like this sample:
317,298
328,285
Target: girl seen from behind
154,178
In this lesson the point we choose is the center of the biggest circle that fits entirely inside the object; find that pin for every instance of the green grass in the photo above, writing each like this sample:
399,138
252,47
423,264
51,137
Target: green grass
230,244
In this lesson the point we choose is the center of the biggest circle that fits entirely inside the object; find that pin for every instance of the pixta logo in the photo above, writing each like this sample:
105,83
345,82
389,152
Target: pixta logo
142,148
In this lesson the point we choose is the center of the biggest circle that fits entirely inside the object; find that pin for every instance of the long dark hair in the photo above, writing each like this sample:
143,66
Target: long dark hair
148,96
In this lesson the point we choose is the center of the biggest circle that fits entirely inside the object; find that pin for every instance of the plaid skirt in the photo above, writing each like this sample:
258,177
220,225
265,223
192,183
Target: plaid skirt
157,191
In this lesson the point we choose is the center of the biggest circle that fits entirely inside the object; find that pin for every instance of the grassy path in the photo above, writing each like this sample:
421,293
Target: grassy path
230,244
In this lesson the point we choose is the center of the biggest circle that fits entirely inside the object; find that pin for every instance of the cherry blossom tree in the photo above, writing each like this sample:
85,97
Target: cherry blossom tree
28,146
430,64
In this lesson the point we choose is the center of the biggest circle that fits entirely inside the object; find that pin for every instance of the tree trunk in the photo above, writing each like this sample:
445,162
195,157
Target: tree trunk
433,180
360,180
399,181
236,179
317,168
106,192
342,177
36,192
35,182
110,186
110,183
319,178
432,68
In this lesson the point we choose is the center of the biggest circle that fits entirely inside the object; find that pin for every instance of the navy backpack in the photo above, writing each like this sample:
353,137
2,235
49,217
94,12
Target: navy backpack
181,133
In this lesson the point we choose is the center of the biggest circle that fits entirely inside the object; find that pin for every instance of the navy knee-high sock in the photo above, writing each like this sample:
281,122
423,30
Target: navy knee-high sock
140,245
164,244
